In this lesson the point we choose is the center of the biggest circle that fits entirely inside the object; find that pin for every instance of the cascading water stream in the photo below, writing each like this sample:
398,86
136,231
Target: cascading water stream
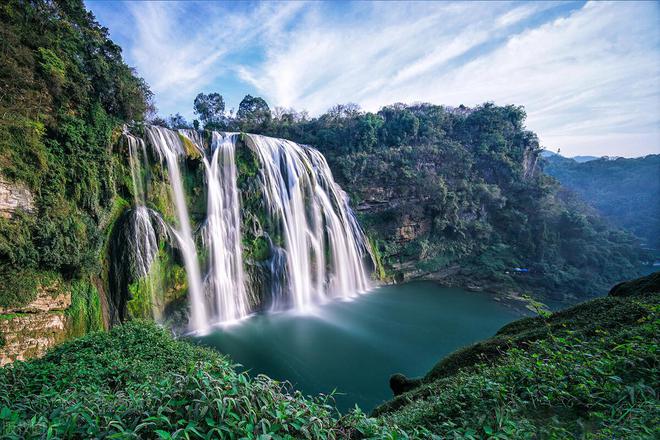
347,239
226,279
301,194
169,147
284,181
145,240
318,249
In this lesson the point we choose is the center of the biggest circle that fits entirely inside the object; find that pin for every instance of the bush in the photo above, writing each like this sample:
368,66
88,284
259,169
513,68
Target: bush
136,381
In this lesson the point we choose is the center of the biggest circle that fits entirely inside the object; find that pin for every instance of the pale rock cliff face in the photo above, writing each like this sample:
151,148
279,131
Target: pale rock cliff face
48,298
530,163
29,331
30,335
14,197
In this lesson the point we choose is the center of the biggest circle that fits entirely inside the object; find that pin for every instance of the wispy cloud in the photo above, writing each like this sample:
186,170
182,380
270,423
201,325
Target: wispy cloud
588,74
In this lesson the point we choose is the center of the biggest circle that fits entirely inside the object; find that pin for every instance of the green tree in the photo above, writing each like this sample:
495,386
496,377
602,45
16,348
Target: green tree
253,111
400,126
210,108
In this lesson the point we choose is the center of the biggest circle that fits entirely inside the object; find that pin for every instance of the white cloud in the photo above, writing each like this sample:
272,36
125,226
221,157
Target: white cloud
182,48
590,79
594,73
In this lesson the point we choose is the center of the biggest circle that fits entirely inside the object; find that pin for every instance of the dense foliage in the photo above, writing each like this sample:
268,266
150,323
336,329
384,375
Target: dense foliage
64,91
457,195
587,372
565,386
137,382
625,191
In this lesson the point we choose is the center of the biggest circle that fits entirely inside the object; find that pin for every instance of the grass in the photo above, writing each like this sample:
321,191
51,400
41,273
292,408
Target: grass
591,372
136,381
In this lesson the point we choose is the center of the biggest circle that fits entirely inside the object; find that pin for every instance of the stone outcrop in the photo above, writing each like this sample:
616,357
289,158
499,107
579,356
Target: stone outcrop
14,197
48,298
28,331
530,163
27,336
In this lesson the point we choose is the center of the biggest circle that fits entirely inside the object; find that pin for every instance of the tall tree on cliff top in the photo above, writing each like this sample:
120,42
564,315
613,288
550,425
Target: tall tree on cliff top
253,111
210,108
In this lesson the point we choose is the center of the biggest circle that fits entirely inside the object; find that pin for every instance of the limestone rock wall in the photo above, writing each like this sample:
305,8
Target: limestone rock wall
14,197
30,335
29,331
45,301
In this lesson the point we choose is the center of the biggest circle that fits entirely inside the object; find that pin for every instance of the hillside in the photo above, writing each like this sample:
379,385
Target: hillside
64,94
457,195
591,370
624,191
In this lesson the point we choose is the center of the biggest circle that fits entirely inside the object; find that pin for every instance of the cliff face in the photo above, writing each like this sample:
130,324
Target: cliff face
467,213
29,331
65,94
14,197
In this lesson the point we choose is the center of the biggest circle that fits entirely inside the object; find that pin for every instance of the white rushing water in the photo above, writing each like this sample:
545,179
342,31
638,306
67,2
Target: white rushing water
144,241
223,234
322,249
314,216
169,148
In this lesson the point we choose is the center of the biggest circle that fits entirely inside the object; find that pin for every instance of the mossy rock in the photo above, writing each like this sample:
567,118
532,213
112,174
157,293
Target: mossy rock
20,287
189,148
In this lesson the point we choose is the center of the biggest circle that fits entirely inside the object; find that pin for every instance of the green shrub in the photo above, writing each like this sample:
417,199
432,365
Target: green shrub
136,381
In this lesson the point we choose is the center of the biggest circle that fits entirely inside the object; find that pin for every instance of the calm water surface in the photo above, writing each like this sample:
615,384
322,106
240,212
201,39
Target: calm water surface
355,346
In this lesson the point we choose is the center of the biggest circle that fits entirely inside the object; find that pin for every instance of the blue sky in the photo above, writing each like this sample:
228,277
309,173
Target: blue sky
587,73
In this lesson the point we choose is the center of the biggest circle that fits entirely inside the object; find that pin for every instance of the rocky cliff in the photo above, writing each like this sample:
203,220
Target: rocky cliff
29,331
14,197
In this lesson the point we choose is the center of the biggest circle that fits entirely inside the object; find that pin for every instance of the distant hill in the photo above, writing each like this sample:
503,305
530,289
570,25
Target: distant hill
579,159
582,159
625,191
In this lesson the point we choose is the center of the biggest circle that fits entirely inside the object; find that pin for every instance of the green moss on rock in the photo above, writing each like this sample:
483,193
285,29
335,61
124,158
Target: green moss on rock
189,148
85,314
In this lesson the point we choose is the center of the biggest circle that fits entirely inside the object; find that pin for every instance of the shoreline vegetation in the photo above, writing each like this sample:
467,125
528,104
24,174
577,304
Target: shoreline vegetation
590,370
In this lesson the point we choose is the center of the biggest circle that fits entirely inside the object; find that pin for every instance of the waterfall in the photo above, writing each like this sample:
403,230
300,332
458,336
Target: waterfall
313,214
222,235
348,243
146,244
143,245
317,248
169,147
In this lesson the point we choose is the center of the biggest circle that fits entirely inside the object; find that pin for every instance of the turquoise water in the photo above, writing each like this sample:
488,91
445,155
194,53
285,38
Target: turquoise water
355,346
